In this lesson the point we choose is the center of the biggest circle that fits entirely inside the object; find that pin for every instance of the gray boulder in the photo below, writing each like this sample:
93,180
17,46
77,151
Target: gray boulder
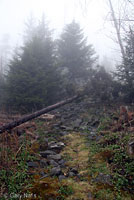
54,157
56,171
53,163
44,154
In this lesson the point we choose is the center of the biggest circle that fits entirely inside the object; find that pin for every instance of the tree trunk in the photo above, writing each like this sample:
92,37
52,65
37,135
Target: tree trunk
117,29
35,114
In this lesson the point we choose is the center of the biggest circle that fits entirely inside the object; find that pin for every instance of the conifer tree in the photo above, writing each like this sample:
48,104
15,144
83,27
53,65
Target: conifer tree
125,71
75,55
33,80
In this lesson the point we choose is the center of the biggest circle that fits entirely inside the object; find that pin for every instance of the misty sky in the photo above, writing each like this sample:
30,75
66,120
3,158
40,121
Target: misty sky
14,13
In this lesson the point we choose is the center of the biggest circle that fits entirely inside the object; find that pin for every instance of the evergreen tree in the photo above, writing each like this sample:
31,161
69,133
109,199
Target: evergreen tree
1,90
125,71
75,55
33,80
101,85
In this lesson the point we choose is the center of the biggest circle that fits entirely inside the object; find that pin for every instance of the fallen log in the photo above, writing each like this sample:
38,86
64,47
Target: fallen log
36,114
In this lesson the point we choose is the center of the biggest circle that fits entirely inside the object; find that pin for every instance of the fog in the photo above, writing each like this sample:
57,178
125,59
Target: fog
92,18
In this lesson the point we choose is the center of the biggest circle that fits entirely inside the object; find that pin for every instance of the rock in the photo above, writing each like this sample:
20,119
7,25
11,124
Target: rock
92,136
62,120
53,163
66,128
56,147
43,163
103,178
131,148
83,128
44,154
32,164
74,170
54,157
46,139
98,138
76,123
56,126
47,117
51,143
95,123
93,133
44,176
71,174
64,133
61,162
56,171
61,177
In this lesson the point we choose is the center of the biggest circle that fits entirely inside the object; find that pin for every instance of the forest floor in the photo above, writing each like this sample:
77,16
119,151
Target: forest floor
81,151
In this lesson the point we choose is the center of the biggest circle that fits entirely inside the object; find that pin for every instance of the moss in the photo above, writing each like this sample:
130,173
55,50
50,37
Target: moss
45,188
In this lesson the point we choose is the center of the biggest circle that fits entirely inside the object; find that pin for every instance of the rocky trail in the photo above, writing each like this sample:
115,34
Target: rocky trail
75,155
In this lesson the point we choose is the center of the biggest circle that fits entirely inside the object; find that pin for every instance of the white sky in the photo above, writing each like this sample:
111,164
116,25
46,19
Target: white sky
13,14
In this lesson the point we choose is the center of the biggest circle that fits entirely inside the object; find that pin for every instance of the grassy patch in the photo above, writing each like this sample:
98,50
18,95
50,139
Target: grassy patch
13,167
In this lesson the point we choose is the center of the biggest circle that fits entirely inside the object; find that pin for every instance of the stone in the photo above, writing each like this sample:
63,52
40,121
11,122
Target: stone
54,157
98,138
64,133
32,164
51,143
47,117
76,123
56,126
44,154
71,174
56,171
63,119
61,177
131,148
66,128
103,178
43,163
95,123
44,176
56,147
61,162
92,136
53,163
74,170
84,134
83,128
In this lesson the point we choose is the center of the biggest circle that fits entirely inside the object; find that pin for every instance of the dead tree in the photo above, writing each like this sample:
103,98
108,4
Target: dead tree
9,126
117,29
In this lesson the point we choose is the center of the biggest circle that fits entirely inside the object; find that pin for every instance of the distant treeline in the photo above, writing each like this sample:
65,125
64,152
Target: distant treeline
45,70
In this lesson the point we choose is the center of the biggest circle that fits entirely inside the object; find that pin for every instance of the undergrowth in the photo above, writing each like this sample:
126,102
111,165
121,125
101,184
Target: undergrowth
13,165
109,156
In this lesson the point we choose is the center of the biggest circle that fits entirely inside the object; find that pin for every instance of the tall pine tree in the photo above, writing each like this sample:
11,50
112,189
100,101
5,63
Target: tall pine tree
125,71
75,55
33,80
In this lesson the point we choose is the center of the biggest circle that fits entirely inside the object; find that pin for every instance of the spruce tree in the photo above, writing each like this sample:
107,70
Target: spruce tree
33,80
1,90
125,71
75,55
